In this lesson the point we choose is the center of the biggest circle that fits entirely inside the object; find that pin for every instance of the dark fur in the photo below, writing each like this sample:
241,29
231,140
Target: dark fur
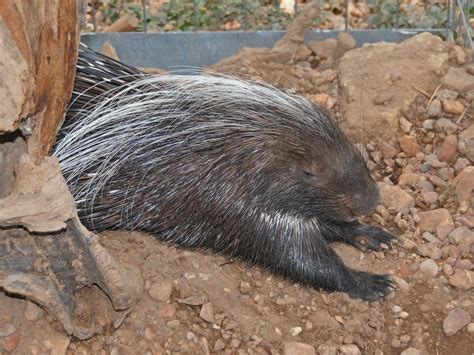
278,192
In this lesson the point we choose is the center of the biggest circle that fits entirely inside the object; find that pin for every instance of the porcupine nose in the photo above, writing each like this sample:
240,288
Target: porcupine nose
364,202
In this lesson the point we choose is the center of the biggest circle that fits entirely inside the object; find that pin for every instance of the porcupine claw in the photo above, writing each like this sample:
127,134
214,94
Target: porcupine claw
373,238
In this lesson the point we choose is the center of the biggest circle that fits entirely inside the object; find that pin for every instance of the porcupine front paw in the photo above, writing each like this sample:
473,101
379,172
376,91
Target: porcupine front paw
369,287
373,238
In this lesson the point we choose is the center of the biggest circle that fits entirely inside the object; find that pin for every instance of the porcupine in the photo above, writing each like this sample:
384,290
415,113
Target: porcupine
216,163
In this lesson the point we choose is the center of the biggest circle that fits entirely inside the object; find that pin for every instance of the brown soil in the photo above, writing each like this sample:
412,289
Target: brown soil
196,303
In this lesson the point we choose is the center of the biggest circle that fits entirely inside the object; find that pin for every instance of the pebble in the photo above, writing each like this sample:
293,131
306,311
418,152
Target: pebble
395,197
350,349
6,329
430,220
430,197
429,267
434,109
207,312
428,124
409,145
383,98
470,328
396,309
447,126
447,151
296,348
161,290
446,94
461,164
295,331
405,125
443,231
411,351
404,314
453,107
234,343
457,235
33,312
462,279
455,320
11,342
219,345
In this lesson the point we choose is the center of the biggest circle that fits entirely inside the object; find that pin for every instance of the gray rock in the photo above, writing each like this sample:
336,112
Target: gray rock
434,109
455,320
462,279
429,268
350,349
394,196
296,348
459,234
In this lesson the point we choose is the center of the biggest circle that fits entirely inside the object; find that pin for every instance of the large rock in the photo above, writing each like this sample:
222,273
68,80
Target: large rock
458,79
392,70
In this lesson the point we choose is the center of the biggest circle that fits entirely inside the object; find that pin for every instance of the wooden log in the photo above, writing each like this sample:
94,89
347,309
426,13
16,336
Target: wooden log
38,42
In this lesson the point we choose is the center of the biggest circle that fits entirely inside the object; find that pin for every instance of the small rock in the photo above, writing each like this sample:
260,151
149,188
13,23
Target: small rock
296,348
388,151
430,197
219,345
11,342
447,151
161,290
207,312
409,145
295,331
434,109
395,75
460,165
394,196
459,234
446,126
190,336
428,124
6,329
234,343
324,100
245,288
429,268
464,186
446,94
453,107
443,231
470,328
404,315
410,179
350,349
429,220
411,351
405,125
383,98
33,312
456,320
462,279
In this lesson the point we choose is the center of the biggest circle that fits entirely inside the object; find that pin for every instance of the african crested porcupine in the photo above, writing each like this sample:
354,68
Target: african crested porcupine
217,163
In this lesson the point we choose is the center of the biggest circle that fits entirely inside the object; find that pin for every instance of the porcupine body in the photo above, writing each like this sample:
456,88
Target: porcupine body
221,164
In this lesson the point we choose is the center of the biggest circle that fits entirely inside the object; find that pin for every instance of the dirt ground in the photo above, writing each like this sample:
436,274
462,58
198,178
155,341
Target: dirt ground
195,303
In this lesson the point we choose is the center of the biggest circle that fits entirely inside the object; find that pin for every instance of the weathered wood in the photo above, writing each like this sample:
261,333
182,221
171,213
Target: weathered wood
46,255
38,42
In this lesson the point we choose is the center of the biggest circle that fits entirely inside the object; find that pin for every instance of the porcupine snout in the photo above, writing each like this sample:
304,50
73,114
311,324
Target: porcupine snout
365,201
